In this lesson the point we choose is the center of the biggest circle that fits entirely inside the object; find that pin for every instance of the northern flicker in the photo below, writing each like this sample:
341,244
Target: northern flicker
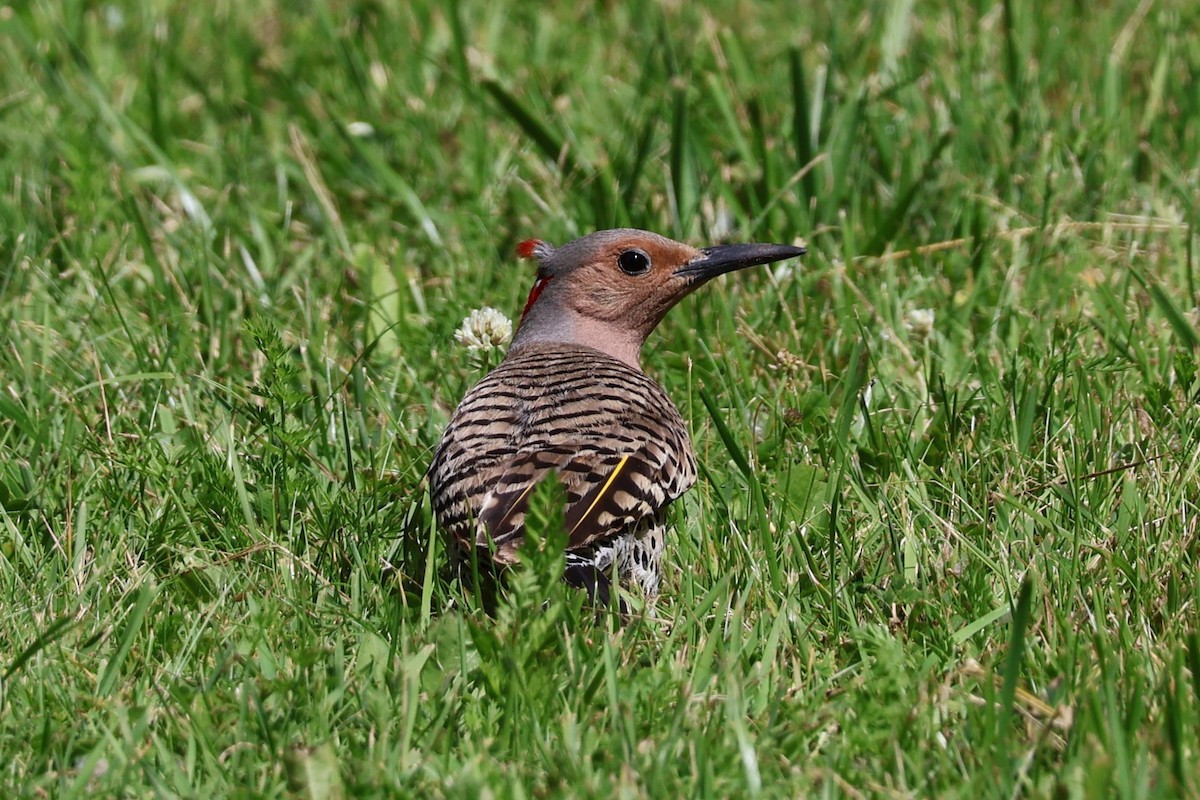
570,396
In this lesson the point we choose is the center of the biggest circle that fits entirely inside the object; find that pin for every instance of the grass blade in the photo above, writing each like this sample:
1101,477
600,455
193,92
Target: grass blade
1016,652
552,146
133,625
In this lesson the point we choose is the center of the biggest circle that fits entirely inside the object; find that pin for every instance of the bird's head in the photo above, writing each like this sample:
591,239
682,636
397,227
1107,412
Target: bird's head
610,289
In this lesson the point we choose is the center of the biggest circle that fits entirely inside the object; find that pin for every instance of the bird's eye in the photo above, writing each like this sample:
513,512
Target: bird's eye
634,262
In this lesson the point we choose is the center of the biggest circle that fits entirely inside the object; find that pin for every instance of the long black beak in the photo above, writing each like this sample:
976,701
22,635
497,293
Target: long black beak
722,258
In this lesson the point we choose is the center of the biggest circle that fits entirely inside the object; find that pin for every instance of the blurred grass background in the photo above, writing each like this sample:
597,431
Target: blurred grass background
945,540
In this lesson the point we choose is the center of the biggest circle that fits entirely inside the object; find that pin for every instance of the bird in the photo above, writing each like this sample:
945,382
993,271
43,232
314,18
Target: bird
570,397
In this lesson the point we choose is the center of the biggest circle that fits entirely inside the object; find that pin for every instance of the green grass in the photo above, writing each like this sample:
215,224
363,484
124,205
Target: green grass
957,561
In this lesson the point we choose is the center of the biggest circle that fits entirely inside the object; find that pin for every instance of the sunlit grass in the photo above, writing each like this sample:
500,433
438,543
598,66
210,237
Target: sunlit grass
944,540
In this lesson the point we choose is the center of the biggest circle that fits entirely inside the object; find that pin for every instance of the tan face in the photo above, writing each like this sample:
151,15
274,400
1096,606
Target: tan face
632,279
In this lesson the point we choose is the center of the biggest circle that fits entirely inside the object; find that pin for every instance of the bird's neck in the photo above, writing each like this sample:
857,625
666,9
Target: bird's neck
563,326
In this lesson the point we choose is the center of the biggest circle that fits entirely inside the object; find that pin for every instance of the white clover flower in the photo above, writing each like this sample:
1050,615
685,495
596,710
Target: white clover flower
114,17
919,322
484,329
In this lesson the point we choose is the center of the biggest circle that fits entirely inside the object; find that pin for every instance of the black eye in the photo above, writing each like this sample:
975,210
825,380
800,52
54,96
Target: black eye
634,262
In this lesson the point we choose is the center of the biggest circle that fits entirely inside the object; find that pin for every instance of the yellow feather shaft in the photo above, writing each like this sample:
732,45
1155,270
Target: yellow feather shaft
603,491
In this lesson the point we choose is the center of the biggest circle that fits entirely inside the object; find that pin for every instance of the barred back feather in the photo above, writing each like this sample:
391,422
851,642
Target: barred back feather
613,435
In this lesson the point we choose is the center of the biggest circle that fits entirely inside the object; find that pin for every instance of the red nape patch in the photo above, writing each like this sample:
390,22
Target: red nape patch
527,248
535,293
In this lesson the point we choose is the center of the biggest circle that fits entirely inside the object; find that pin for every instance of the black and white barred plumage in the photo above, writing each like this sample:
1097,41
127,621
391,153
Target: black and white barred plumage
614,437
